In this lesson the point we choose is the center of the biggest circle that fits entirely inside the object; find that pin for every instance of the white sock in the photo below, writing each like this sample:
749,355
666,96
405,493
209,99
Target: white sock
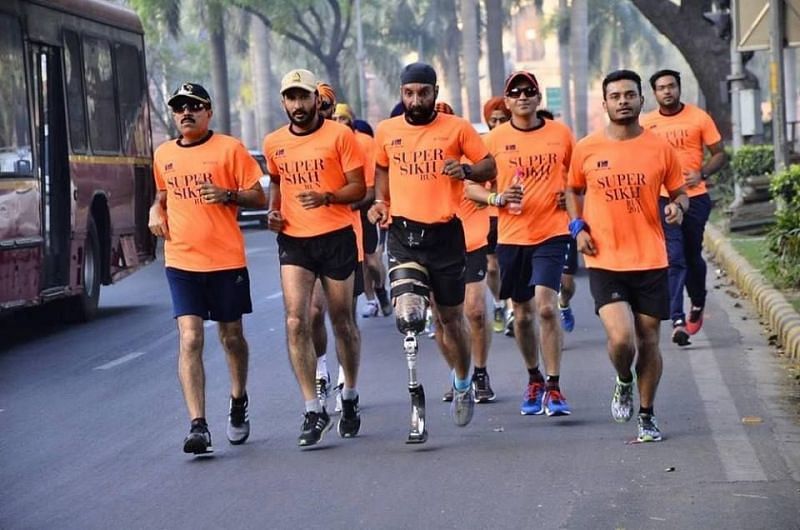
340,380
322,367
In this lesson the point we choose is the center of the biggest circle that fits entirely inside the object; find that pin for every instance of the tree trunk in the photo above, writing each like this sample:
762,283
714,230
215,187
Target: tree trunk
451,56
579,44
494,44
219,68
564,63
331,65
262,86
471,39
708,55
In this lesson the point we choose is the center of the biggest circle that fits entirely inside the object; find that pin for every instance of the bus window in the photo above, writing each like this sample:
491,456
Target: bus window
15,142
100,105
76,109
132,98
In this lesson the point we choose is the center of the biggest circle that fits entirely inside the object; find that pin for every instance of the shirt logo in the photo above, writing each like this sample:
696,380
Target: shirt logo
616,296
397,142
168,167
239,279
280,152
512,147
602,164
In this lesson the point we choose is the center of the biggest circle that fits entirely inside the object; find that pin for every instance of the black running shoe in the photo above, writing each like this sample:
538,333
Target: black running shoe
315,425
199,441
238,421
350,420
482,387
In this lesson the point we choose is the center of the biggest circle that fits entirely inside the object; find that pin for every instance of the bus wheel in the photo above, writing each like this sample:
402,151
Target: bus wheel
83,307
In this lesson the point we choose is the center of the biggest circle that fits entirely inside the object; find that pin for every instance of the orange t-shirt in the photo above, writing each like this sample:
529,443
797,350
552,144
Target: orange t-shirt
688,132
475,218
314,161
203,237
367,145
622,179
543,154
415,155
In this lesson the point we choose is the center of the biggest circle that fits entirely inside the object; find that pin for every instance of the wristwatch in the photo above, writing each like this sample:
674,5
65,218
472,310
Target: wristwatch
327,199
229,196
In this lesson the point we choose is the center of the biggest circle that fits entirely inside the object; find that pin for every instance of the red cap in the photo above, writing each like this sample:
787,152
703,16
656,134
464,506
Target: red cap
521,74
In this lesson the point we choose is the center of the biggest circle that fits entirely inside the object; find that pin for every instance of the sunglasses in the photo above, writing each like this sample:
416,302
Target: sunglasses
325,105
515,93
194,106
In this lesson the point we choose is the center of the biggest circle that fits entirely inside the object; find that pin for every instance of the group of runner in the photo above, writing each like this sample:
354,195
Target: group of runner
508,211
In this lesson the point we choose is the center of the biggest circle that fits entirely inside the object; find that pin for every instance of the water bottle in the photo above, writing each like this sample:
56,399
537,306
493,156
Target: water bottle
515,208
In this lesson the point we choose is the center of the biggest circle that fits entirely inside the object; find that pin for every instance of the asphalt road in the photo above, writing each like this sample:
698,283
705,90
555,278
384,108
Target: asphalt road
92,422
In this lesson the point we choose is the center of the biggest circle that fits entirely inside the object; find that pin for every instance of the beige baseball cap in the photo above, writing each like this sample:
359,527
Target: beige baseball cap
299,79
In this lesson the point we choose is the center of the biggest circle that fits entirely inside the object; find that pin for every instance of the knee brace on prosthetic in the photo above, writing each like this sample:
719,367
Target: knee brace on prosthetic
410,294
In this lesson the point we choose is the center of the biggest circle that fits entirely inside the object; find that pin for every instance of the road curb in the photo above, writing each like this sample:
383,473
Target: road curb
771,304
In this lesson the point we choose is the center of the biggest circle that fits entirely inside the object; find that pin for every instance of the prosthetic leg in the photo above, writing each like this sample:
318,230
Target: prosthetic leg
410,295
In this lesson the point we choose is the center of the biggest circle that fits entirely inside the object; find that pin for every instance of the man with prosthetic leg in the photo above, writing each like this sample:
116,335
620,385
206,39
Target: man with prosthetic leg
418,187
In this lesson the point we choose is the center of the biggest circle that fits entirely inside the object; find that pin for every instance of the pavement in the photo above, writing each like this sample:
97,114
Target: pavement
778,313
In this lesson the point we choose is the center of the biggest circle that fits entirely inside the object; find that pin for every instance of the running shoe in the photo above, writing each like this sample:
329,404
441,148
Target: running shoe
509,332
315,425
448,394
622,401
482,388
532,401
463,406
679,334
567,319
383,300
198,442
338,390
238,422
695,320
350,420
499,319
555,404
323,384
648,429
371,309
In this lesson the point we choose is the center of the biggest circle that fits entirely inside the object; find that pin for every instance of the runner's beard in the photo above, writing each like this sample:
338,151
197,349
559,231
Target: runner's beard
627,120
420,114
305,122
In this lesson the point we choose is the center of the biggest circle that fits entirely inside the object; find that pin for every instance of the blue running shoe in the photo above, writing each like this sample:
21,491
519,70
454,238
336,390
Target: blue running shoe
567,319
532,401
555,404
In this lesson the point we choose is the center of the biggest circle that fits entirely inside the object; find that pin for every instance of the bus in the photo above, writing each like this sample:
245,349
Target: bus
75,152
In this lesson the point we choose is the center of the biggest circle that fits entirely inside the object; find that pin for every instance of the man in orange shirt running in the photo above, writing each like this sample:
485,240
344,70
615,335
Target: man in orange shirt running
418,187
613,200
202,178
688,129
495,113
316,171
533,155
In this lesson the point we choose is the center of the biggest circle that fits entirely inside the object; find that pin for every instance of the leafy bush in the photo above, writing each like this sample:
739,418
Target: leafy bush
752,161
784,237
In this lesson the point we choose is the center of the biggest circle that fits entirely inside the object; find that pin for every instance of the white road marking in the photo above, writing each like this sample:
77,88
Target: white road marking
273,296
116,362
739,459
749,496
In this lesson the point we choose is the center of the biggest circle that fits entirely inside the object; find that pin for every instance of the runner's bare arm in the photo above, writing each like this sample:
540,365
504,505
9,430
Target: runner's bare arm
676,208
253,197
158,216
484,169
716,161
352,191
583,239
369,197
274,217
379,212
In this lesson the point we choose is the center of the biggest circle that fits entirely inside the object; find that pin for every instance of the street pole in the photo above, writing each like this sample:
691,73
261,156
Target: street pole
736,78
360,58
777,84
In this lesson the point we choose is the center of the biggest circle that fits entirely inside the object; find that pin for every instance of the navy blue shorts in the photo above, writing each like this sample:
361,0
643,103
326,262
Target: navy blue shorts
223,296
523,267
571,263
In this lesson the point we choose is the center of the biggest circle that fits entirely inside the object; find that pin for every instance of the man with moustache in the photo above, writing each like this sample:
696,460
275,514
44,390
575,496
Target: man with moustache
689,130
316,171
419,183
613,189
202,178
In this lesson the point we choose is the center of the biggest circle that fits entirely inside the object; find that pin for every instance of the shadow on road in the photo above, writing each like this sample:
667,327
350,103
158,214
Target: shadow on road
44,321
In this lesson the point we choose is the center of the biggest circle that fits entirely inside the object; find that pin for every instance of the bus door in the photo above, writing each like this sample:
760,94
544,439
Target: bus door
51,133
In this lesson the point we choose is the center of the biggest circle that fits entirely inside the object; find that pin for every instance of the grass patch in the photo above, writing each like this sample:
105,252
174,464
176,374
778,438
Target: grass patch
755,249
